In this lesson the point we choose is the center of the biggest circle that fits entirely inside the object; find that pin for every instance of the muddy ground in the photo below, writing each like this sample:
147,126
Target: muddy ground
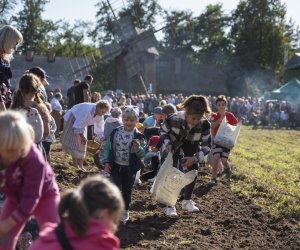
226,220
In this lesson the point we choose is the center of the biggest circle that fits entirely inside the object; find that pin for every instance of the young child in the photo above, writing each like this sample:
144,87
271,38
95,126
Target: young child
218,151
26,179
47,141
123,153
89,218
188,133
112,122
57,111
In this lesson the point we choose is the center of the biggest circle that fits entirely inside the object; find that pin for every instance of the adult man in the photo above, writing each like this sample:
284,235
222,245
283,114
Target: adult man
82,92
41,74
71,95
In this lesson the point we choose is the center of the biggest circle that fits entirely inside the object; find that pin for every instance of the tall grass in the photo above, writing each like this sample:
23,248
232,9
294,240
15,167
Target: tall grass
267,166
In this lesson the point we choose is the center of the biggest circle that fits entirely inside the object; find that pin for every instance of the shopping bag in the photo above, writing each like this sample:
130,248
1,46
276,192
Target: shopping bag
227,134
169,182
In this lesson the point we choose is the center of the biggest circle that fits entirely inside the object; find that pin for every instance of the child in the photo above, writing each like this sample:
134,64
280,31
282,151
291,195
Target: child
89,218
123,153
188,134
10,38
26,179
51,137
57,110
112,122
218,151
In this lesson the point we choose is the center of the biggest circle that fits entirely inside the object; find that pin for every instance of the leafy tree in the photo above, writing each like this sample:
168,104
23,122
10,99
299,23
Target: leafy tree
210,38
5,8
34,29
141,12
179,36
258,34
69,40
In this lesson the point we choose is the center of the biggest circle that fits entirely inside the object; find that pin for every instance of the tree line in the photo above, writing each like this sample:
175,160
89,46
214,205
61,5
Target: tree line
249,41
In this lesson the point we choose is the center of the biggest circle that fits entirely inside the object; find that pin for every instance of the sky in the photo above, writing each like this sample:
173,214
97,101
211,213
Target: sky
70,10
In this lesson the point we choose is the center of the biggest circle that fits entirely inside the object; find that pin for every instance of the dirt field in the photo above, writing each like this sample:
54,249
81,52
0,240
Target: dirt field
225,221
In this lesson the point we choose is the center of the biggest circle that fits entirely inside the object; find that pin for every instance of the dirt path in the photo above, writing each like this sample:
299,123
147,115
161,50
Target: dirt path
225,221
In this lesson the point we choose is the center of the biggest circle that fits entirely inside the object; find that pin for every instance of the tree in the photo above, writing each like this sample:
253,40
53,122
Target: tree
34,29
210,38
258,34
179,36
5,8
141,12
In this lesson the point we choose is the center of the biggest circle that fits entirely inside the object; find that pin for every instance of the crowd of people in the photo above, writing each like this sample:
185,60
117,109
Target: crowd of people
135,133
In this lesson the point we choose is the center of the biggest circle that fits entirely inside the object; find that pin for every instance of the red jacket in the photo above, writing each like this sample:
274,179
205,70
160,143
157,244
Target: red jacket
97,237
231,119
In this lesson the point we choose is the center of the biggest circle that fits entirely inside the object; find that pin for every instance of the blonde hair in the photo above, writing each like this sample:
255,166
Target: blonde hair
16,133
10,37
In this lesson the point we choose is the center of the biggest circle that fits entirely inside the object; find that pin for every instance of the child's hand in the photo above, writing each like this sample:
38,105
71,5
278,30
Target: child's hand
107,168
136,145
154,149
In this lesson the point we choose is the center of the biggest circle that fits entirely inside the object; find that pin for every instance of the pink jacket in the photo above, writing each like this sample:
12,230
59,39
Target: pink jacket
97,237
26,181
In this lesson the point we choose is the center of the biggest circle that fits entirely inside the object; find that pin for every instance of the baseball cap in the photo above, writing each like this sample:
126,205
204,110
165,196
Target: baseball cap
157,110
40,73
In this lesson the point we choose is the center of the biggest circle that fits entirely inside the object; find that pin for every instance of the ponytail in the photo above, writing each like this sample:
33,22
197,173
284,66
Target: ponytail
196,104
72,206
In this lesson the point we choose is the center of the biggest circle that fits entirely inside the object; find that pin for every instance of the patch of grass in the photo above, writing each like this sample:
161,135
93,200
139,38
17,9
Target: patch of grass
269,163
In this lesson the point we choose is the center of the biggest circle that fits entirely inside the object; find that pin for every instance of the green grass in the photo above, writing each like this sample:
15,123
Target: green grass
267,165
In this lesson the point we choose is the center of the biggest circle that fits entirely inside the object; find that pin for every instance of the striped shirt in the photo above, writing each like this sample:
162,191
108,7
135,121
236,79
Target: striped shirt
176,129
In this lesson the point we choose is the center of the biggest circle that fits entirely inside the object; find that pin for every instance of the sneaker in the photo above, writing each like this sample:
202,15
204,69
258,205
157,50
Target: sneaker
228,172
189,206
137,182
170,212
125,216
213,180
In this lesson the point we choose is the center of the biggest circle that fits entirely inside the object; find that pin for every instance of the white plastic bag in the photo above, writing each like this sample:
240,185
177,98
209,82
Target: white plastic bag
227,134
169,182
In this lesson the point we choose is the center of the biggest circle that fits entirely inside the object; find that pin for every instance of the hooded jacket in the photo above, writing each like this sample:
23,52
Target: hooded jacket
97,237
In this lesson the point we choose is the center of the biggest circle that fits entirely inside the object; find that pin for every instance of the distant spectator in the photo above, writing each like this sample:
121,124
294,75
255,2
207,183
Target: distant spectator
82,90
41,74
71,95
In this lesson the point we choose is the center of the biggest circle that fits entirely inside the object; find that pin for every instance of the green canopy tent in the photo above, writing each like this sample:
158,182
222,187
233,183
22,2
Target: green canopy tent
289,91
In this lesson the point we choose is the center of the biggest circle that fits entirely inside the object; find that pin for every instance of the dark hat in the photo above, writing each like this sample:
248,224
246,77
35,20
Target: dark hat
40,73
157,110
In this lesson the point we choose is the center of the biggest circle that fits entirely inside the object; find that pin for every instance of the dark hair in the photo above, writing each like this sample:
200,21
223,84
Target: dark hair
169,109
76,81
195,104
221,98
95,193
58,95
88,78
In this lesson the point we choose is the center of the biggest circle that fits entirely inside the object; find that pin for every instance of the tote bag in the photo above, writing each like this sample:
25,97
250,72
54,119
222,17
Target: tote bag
169,182
227,134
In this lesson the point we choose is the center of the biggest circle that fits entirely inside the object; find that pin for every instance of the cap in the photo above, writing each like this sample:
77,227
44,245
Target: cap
40,73
139,125
115,112
157,110
153,140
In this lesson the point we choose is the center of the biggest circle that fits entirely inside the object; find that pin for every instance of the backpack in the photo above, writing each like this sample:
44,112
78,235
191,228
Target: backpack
35,120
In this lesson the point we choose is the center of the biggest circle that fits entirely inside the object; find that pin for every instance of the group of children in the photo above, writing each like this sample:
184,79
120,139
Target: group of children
94,209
